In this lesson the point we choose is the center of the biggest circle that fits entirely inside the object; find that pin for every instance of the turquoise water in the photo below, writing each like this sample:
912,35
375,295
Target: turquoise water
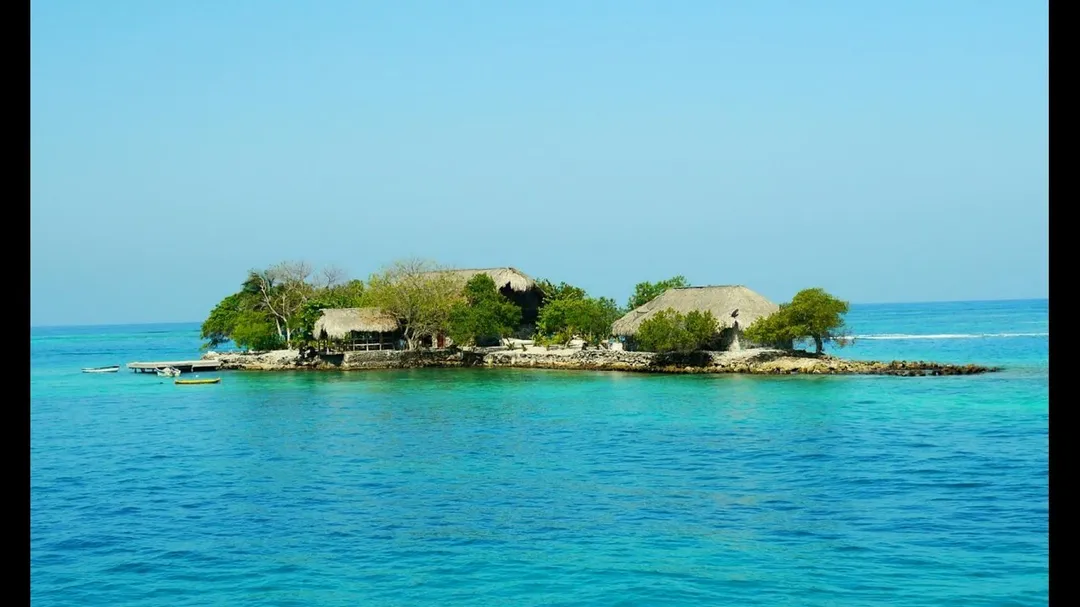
522,487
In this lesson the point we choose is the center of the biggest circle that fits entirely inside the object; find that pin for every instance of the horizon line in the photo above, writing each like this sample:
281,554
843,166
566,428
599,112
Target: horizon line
196,322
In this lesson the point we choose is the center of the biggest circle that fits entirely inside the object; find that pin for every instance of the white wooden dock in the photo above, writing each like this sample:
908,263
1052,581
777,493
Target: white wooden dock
185,366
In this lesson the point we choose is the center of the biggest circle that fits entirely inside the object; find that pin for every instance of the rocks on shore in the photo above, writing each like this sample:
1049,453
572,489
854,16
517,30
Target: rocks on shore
754,362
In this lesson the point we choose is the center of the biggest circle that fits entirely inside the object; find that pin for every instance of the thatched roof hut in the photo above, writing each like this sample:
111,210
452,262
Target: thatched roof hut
722,301
508,277
337,323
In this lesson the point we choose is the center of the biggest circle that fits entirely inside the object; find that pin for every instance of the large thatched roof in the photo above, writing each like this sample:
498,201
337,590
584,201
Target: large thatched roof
512,277
336,323
720,300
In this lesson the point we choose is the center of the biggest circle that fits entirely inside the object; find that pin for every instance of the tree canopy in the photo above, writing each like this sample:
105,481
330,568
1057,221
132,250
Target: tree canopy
484,313
553,292
813,314
351,294
419,293
644,292
671,331
586,317
273,306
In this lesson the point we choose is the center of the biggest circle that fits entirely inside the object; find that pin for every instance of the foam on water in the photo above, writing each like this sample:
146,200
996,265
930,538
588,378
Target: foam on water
950,335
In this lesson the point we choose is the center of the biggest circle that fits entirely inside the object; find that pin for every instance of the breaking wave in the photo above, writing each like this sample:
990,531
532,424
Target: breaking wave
949,335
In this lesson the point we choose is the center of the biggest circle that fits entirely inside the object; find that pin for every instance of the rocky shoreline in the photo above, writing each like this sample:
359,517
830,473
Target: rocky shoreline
750,362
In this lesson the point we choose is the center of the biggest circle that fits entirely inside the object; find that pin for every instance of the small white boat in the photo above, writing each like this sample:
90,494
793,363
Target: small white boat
168,372
112,369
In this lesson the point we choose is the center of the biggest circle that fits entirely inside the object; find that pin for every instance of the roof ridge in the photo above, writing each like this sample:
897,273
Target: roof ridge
479,269
708,287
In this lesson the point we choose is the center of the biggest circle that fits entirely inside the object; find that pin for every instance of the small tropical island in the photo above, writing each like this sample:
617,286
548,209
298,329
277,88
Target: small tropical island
416,313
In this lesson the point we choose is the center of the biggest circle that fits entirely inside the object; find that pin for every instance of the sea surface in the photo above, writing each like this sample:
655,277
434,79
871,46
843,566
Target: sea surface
531,487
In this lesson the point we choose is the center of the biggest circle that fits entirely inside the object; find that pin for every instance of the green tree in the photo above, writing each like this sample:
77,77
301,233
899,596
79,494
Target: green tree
812,314
773,330
587,317
255,330
644,292
351,294
284,289
218,328
276,307
671,331
483,313
419,293
554,292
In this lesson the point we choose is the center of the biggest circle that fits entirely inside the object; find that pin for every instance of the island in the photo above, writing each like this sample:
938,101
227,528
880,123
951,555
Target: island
416,314
753,361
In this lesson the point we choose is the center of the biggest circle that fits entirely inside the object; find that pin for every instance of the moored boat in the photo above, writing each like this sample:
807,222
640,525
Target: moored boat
112,369
168,372
190,382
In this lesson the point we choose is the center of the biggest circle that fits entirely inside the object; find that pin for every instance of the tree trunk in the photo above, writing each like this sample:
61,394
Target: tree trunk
819,344
288,337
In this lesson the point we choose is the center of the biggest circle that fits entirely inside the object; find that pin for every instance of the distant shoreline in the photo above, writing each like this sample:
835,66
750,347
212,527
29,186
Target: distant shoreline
760,361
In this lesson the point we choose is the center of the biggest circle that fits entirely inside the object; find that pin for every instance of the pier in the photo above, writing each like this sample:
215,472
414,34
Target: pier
185,366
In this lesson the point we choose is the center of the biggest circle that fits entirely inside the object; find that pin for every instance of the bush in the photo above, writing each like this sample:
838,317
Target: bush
670,331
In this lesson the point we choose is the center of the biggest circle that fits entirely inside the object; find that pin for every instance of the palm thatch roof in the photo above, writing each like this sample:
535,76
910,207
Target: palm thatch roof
337,323
517,280
720,300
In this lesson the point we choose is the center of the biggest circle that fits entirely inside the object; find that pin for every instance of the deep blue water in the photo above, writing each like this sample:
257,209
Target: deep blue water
520,487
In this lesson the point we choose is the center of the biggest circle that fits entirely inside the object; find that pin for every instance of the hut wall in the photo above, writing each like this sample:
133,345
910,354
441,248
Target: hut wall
358,341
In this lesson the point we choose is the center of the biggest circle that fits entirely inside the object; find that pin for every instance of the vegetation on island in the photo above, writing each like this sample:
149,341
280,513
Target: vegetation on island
671,331
419,293
812,314
273,307
483,314
278,307
644,292
568,312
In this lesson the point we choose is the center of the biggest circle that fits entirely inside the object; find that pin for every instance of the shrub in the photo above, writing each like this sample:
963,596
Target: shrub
671,331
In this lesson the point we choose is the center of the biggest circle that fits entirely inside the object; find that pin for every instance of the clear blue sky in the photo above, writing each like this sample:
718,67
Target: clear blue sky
886,151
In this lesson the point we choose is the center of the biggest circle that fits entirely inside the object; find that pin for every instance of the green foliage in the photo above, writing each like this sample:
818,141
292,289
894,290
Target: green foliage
240,319
812,314
555,292
275,308
587,317
218,327
420,294
670,331
484,313
479,289
352,294
255,330
644,292
773,330
557,339
309,314
349,295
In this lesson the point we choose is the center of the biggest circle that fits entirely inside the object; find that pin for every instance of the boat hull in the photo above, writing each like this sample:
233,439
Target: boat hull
193,382
101,370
